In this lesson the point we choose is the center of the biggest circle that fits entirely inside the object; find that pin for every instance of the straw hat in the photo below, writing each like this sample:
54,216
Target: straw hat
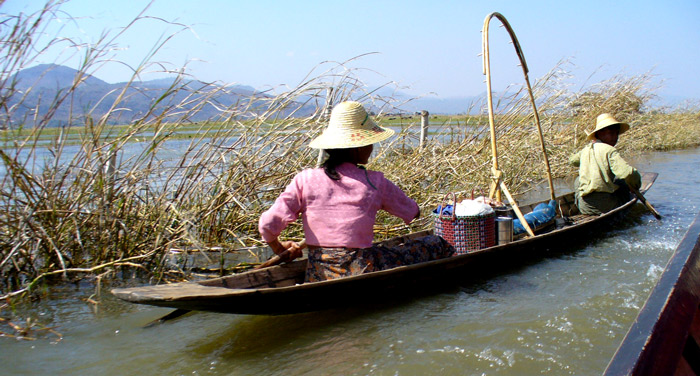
604,121
349,127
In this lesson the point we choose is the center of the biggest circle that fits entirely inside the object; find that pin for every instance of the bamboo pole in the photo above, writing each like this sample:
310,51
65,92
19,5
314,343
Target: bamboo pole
516,209
487,72
539,130
492,127
497,184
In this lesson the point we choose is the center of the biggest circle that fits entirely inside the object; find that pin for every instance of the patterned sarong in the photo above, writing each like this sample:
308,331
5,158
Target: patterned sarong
331,263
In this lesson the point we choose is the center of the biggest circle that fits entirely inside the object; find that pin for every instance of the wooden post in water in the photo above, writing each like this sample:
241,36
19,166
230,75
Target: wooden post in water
110,169
424,124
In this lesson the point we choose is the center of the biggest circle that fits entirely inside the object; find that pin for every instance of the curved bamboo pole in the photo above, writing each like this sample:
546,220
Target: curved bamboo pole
487,72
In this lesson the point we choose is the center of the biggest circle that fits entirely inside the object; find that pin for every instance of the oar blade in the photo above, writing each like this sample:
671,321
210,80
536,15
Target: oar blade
170,316
646,203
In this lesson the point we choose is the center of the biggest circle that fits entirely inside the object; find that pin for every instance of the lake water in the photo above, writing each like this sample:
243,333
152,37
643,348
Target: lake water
562,315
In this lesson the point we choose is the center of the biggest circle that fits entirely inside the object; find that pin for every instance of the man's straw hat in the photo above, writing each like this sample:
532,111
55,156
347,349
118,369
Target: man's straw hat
349,127
604,121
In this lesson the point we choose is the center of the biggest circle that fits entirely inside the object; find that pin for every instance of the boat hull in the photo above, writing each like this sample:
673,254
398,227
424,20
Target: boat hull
280,289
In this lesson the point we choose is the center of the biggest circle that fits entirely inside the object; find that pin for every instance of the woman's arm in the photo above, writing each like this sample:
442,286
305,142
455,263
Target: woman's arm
397,203
285,210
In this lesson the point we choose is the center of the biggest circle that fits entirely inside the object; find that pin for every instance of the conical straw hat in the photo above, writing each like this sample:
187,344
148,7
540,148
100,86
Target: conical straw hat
349,127
604,121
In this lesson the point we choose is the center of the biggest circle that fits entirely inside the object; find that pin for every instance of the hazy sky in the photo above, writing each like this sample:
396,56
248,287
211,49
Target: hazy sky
425,46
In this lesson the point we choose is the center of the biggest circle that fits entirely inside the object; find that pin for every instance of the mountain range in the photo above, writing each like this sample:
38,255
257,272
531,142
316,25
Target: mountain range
37,87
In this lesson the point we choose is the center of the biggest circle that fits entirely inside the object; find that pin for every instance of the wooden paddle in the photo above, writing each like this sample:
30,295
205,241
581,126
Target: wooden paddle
271,262
170,316
641,198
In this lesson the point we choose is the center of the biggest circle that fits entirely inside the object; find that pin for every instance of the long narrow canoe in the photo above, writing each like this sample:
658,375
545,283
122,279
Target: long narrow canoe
665,337
281,289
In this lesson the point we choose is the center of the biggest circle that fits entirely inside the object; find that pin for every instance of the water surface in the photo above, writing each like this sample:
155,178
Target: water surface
562,315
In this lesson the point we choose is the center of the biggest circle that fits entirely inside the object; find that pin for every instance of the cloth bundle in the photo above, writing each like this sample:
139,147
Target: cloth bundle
466,208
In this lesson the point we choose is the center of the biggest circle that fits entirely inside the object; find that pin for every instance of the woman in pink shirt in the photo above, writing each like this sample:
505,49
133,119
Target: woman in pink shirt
338,204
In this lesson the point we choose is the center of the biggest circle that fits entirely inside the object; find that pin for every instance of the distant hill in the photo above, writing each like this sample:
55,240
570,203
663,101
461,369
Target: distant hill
37,87
41,84
51,76
435,104
447,106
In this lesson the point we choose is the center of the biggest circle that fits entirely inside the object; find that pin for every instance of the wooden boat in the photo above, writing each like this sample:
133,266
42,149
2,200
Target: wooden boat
664,338
281,289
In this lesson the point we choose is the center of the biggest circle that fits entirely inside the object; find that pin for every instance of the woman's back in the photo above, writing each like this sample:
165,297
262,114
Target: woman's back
339,213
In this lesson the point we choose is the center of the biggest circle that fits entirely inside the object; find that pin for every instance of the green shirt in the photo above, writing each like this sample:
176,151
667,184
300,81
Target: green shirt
599,165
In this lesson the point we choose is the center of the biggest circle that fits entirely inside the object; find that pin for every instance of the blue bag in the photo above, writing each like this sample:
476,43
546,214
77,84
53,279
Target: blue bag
542,214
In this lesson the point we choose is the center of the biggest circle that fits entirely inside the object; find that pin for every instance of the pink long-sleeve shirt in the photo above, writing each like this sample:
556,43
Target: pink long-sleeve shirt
336,213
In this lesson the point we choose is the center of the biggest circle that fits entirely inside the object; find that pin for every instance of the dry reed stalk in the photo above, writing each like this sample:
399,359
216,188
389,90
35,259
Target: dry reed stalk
96,208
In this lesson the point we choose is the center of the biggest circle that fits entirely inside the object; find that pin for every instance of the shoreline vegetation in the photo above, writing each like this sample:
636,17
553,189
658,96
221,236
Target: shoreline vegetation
77,205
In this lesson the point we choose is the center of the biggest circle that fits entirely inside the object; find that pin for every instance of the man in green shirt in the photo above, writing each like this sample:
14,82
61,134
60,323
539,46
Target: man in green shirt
603,175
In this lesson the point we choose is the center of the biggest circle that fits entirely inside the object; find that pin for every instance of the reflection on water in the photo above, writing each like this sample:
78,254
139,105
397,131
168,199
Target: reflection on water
562,315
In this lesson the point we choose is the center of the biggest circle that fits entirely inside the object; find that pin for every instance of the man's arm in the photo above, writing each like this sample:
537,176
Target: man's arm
624,171
575,159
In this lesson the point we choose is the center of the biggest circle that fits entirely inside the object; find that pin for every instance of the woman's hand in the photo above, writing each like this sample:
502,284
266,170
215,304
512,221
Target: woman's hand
279,247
